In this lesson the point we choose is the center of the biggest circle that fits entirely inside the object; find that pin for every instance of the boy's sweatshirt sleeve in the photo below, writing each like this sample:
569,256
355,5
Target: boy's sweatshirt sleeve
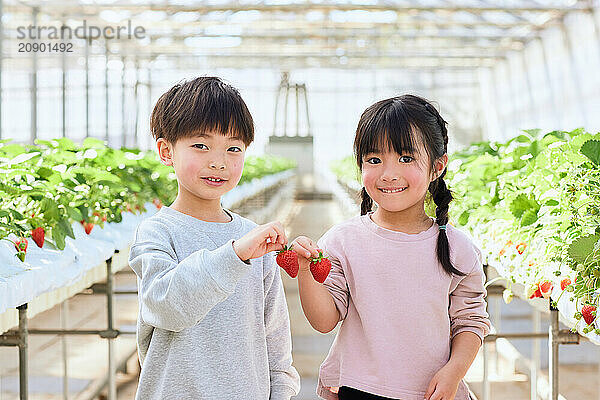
173,294
467,303
285,381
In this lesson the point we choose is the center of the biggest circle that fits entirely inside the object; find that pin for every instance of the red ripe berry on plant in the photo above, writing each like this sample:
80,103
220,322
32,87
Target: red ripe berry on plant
588,313
546,289
21,246
38,235
87,226
564,283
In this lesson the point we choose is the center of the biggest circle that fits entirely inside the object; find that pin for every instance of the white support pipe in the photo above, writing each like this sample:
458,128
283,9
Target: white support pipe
535,354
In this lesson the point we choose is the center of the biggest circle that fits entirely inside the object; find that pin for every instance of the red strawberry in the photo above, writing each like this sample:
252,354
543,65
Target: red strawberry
320,267
38,236
546,288
288,260
587,311
536,293
87,226
21,246
564,283
157,203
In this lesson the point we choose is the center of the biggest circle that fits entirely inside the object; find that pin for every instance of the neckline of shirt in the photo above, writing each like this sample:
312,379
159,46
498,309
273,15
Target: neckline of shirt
397,235
232,226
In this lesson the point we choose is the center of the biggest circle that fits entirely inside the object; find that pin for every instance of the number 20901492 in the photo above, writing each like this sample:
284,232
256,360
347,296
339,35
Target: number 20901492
45,47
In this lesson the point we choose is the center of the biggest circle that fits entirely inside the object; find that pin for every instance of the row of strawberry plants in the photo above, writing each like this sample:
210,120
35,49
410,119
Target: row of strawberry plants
46,187
533,204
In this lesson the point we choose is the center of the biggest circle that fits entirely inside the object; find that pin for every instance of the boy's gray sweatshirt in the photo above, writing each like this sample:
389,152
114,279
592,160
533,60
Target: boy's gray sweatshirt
210,326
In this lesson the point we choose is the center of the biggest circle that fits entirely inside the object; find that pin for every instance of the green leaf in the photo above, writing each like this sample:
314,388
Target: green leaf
45,173
50,209
58,235
523,203
582,248
65,227
551,203
16,214
464,218
529,217
591,149
74,213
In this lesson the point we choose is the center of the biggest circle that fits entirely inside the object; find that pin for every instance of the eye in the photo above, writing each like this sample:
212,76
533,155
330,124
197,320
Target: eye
406,159
234,149
373,160
198,146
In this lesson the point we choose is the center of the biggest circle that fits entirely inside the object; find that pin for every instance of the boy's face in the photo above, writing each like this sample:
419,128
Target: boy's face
207,165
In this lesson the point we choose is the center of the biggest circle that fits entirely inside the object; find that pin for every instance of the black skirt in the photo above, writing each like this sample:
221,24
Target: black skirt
348,393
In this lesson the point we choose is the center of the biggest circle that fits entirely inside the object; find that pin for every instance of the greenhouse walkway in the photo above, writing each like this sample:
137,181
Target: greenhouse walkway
87,355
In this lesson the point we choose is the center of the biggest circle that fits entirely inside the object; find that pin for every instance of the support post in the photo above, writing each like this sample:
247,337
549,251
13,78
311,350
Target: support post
553,353
23,340
112,388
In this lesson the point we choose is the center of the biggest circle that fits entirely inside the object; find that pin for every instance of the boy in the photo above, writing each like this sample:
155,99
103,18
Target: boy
213,320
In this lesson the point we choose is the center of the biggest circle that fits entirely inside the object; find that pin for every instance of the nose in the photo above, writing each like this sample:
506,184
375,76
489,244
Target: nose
217,165
390,175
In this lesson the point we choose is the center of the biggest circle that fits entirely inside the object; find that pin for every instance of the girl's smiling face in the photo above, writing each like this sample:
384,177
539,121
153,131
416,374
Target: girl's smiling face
397,182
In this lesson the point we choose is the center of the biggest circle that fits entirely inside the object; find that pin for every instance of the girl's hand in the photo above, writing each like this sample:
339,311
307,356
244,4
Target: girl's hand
443,385
306,249
260,241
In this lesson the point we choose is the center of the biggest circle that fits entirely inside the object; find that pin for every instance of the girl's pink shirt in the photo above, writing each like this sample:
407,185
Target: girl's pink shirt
399,309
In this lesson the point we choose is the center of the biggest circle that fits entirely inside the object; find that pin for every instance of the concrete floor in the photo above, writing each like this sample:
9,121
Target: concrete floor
88,354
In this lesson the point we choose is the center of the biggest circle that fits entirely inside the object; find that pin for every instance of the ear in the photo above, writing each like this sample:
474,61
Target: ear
165,151
439,167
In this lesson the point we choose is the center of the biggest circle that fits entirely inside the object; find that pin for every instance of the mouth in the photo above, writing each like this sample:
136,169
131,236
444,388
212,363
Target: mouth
214,181
392,190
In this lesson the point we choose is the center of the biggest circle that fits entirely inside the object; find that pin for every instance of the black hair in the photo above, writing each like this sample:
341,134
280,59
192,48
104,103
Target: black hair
204,104
399,124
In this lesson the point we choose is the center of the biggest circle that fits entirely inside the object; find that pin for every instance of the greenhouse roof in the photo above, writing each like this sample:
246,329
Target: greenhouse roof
424,34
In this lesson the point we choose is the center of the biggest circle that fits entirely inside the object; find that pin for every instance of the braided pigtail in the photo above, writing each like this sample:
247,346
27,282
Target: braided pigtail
366,204
442,196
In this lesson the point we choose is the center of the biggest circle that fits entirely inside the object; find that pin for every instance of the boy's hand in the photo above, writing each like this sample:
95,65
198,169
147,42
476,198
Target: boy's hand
260,240
444,384
306,249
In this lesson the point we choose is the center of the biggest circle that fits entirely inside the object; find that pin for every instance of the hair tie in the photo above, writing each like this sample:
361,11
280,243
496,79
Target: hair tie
442,227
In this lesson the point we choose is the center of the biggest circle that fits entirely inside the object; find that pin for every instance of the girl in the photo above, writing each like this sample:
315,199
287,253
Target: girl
408,288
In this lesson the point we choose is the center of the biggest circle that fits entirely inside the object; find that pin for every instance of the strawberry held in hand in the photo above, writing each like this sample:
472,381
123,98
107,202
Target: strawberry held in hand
38,235
288,260
320,267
